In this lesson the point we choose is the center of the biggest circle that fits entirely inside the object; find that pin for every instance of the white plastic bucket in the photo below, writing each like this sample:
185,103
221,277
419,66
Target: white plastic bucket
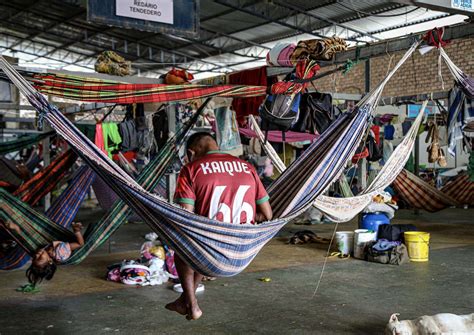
361,238
345,242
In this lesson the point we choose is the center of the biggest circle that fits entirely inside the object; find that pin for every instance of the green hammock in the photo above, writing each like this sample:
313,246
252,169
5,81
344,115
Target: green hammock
23,142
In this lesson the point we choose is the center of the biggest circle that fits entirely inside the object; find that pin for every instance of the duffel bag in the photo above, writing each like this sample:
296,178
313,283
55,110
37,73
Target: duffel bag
394,232
397,255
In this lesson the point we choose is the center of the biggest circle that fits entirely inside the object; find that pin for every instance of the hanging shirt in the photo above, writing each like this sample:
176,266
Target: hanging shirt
221,187
376,130
112,137
389,132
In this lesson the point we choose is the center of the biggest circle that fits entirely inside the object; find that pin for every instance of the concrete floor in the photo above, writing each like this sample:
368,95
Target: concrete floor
355,297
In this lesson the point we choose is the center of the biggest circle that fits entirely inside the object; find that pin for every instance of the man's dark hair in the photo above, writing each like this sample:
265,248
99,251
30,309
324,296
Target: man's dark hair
196,137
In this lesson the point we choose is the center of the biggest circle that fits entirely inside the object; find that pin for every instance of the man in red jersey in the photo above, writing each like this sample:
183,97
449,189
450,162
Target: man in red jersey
219,186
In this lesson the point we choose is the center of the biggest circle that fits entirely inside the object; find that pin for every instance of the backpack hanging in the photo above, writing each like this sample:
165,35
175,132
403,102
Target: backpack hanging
375,152
160,127
316,113
279,112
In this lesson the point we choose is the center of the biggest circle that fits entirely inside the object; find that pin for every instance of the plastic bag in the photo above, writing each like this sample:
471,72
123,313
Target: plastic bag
227,131
158,274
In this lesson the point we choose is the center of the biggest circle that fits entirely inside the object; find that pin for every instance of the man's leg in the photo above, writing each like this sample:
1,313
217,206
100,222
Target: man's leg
186,304
197,279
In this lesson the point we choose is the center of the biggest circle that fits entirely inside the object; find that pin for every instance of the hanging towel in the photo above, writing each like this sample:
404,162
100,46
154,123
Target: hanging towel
112,137
247,106
99,137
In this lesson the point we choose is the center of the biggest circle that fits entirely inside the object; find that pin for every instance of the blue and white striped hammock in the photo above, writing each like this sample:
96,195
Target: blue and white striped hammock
211,247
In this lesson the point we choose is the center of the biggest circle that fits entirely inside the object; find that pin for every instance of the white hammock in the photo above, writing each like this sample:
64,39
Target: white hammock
344,209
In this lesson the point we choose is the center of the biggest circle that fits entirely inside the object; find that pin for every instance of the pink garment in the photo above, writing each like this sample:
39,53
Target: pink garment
275,135
62,252
285,54
99,138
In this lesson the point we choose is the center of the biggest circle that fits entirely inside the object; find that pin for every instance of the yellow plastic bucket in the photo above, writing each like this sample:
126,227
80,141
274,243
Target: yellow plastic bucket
418,245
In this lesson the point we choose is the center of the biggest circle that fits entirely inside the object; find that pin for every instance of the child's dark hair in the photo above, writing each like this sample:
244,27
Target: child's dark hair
196,137
36,274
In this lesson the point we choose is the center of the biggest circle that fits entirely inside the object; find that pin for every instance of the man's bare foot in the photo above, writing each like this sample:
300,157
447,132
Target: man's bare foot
178,306
194,312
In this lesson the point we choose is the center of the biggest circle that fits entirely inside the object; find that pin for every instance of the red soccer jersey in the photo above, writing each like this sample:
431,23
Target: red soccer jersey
221,187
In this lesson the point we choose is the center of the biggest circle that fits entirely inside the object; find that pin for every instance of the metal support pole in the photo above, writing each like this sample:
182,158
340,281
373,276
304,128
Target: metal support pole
417,164
417,156
363,162
171,181
46,161
367,75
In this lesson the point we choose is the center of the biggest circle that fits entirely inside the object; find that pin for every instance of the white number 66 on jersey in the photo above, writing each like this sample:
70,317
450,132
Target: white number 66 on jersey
238,206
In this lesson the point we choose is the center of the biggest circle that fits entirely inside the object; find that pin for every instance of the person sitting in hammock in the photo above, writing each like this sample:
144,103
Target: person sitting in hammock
219,186
43,264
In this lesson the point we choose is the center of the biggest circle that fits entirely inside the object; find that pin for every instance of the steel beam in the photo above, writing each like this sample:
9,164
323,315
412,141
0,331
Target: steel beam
281,22
438,5
321,18
404,25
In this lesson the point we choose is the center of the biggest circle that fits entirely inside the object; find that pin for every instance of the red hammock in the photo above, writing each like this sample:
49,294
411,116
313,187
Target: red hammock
46,180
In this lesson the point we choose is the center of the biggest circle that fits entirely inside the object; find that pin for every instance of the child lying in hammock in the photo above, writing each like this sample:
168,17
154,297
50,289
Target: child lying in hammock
43,265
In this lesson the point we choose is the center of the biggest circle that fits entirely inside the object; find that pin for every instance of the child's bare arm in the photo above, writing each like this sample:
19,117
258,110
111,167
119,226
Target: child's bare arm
12,226
76,227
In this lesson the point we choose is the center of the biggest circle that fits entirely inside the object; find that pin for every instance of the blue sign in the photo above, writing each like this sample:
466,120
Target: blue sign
413,110
177,17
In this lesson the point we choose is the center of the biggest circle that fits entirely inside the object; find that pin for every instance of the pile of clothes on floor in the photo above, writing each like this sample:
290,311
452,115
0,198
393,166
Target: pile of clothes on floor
389,247
154,267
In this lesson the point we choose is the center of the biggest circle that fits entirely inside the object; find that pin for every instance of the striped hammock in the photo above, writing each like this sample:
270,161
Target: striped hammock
421,195
62,213
460,188
92,89
461,78
211,247
46,180
344,209
23,142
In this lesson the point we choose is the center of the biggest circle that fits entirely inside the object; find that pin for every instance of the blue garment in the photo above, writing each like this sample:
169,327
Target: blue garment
384,245
388,132
389,190
406,125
